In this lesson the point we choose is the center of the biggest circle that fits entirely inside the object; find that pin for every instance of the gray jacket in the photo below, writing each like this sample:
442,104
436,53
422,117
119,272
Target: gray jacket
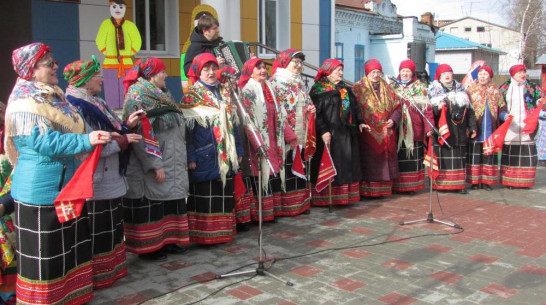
107,182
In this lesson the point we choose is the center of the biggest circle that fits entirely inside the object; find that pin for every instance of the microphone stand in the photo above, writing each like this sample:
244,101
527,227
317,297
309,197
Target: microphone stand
430,216
261,153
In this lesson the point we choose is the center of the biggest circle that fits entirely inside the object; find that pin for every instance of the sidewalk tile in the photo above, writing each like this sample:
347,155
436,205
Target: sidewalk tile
348,284
484,258
244,292
132,299
446,277
500,291
397,264
306,271
356,253
397,299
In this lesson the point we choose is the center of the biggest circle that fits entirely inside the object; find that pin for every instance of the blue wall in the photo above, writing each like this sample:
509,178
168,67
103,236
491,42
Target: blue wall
56,24
173,84
325,25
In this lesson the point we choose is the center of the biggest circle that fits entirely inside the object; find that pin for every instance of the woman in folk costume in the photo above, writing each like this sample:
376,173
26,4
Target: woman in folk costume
455,120
337,117
519,153
109,185
413,129
214,152
268,119
44,133
482,170
154,208
287,85
379,162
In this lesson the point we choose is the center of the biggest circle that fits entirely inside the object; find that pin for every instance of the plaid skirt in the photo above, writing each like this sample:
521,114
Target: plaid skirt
54,259
519,165
151,224
107,241
479,167
341,195
210,212
271,200
411,169
244,203
451,165
296,199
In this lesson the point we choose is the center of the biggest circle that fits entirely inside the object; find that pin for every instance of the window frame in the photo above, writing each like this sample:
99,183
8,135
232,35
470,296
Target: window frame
468,29
480,29
342,51
359,62
172,39
282,27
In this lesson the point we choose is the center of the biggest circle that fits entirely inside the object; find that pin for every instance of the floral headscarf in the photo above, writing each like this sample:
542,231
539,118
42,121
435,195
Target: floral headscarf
144,67
247,71
25,58
283,59
80,72
198,63
327,68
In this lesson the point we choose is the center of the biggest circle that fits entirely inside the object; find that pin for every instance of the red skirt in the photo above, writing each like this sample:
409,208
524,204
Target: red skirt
341,195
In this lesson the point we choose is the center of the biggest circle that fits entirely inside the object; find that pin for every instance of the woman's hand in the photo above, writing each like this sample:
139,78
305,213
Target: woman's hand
239,159
99,137
311,108
326,138
159,175
362,127
132,137
429,134
133,119
441,105
390,123
221,60
193,165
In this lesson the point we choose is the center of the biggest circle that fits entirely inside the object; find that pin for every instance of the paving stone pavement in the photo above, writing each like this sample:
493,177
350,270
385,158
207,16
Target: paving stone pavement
359,254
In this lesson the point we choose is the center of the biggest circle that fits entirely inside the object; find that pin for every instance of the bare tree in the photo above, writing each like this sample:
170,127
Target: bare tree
529,17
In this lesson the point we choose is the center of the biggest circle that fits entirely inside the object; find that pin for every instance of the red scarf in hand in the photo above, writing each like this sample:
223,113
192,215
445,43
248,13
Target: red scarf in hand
327,170
531,121
443,127
495,141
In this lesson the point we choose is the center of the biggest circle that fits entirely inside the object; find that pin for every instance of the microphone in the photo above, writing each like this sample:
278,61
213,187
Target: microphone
229,75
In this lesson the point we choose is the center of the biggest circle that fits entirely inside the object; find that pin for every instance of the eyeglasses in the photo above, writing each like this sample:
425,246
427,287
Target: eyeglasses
50,63
298,62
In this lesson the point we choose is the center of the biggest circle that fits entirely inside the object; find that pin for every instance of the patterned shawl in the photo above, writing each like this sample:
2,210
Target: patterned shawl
25,58
376,110
324,85
255,106
201,106
486,94
437,92
36,104
283,59
80,72
81,93
531,94
288,89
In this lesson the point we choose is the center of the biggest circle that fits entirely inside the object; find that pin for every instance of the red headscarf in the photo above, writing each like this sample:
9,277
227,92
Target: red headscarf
283,59
372,64
442,69
144,67
408,64
25,58
328,66
515,69
198,63
488,69
247,71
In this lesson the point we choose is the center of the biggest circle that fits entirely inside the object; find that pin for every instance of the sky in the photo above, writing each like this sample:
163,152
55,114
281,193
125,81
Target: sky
489,10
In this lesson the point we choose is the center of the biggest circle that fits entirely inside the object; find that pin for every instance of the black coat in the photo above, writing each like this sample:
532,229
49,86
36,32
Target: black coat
344,143
199,44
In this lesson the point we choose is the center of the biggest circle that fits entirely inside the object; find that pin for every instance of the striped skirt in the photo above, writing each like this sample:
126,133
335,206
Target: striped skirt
479,167
210,212
295,200
271,200
54,259
411,169
376,188
151,224
341,195
518,165
244,203
451,165
107,241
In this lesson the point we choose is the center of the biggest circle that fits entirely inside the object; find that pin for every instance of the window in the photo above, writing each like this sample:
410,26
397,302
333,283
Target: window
359,62
339,51
469,29
453,29
274,25
487,45
157,22
480,29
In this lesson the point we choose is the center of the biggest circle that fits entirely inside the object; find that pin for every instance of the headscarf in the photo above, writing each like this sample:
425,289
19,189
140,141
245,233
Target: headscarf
328,66
25,58
283,59
372,64
246,74
144,67
442,69
516,68
80,72
408,64
488,69
198,63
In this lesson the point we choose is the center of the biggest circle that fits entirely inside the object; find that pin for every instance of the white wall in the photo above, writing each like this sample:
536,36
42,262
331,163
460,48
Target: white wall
92,13
229,16
460,61
310,31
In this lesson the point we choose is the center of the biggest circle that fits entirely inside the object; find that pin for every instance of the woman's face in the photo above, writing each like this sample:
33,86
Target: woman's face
94,84
295,66
483,77
259,73
374,75
337,75
45,70
521,76
446,78
208,73
406,74
159,79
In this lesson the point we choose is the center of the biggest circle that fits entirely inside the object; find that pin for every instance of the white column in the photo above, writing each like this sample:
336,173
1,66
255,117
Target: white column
229,16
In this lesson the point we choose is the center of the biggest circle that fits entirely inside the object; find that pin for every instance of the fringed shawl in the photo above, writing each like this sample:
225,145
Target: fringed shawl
485,94
201,106
35,104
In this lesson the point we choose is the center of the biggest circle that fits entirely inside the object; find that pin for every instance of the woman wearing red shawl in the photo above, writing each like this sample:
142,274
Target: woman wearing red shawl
337,117
413,129
482,170
154,208
214,152
379,161
519,153
268,120
288,88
